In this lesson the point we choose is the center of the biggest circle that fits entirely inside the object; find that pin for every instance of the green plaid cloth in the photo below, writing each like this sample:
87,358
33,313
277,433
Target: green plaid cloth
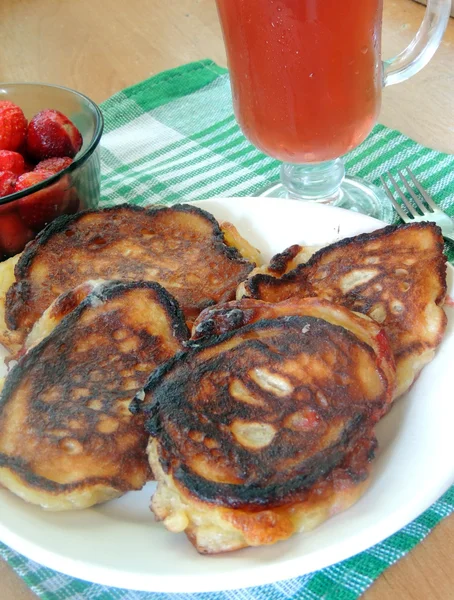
174,138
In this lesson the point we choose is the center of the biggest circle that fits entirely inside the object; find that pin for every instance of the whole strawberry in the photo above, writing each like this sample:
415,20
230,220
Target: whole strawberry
53,165
50,134
12,161
7,183
13,126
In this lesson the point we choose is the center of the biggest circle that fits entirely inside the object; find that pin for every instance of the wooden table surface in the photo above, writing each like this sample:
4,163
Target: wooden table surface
99,47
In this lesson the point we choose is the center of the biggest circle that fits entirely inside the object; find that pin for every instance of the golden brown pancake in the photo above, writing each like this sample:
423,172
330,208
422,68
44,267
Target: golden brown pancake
181,247
67,437
266,429
11,340
223,318
396,275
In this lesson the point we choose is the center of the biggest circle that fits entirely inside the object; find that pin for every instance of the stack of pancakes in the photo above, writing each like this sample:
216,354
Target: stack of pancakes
87,319
257,424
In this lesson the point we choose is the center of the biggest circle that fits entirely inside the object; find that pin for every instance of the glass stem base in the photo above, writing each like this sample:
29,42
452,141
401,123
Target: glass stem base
319,181
326,183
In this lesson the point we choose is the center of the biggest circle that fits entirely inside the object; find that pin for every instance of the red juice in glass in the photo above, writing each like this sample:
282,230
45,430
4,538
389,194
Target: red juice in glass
306,74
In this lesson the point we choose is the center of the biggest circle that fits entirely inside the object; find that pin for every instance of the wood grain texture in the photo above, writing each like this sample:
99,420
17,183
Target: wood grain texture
11,585
101,47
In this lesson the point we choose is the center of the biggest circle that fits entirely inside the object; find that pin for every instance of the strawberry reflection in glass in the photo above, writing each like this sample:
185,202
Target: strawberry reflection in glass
14,233
21,221
40,208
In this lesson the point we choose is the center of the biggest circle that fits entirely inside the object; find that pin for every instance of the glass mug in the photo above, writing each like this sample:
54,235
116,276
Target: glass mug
307,79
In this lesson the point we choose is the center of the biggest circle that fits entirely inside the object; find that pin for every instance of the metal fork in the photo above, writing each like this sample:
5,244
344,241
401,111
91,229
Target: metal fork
421,212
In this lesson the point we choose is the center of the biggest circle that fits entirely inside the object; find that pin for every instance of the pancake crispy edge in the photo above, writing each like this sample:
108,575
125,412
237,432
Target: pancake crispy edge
11,340
215,529
279,265
181,247
227,474
67,437
396,275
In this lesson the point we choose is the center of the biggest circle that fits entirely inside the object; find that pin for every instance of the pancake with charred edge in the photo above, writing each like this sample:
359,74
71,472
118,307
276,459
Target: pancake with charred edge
12,340
266,430
281,263
396,275
182,247
227,317
67,437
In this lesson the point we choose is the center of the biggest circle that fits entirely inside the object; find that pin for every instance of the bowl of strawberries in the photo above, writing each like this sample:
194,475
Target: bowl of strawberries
49,159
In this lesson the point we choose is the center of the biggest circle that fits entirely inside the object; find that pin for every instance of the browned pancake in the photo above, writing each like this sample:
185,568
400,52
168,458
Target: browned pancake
396,275
11,340
245,425
181,247
67,437
227,317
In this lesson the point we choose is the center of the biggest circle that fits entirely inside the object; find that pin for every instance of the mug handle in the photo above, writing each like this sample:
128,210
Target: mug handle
423,47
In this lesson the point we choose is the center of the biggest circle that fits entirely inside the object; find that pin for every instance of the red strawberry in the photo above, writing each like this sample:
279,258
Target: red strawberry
7,183
26,180
42,207
13,126
14,234
51,134
12,161
54,165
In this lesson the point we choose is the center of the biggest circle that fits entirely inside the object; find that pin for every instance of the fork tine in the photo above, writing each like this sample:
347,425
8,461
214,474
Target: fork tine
422,208
423,192
411,209
396,205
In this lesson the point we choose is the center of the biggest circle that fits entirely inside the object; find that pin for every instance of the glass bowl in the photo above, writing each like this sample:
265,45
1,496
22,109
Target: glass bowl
25,213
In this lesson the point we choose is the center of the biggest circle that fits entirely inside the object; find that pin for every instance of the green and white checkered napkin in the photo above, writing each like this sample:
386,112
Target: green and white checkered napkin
174,138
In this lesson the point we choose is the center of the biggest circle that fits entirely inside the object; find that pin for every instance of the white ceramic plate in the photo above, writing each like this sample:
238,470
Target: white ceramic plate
119,544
